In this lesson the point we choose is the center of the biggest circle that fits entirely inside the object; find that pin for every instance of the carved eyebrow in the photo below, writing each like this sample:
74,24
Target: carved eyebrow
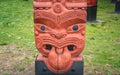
46,18
46,22
71,15
65,20
72,22
52,24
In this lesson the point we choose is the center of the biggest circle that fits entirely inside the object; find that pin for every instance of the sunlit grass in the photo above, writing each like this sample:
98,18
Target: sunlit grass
103,41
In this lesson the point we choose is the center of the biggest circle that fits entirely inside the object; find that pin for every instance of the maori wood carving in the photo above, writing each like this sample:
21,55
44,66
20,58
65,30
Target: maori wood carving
59,27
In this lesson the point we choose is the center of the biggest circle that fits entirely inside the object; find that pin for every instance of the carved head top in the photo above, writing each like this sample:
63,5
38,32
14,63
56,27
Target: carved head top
59,27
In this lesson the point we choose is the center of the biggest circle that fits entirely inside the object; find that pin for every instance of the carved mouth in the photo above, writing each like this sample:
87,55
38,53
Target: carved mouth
73,45
70,43
59,60
59,53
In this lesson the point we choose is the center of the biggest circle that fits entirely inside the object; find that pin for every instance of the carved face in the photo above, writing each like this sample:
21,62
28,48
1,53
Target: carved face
59,33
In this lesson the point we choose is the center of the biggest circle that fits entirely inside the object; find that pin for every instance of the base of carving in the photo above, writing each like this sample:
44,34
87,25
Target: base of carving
117,7
91,13
113,1
76,69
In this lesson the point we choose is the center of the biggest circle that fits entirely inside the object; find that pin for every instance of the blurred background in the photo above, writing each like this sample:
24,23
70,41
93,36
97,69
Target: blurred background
17,47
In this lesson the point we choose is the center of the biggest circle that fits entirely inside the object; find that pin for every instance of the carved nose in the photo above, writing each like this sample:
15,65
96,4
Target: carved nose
58,35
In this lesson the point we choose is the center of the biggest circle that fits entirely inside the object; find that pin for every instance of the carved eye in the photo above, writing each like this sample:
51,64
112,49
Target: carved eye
70,47
43,28
75,27
48,47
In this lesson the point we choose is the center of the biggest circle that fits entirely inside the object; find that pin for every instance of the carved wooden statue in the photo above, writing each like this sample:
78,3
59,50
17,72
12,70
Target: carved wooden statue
117,7
59,27
91,10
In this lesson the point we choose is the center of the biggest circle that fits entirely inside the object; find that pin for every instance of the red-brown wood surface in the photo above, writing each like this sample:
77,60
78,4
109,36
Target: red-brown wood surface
91,2
59,27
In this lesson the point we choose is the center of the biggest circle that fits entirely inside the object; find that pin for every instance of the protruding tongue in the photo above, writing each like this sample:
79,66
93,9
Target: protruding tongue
63,61
59,58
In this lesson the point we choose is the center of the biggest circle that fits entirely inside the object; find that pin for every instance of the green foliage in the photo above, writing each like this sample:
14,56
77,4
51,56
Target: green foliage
5,73
16,21
103,40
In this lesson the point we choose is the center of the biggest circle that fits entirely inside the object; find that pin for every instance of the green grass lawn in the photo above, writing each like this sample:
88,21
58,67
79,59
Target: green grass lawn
102,50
